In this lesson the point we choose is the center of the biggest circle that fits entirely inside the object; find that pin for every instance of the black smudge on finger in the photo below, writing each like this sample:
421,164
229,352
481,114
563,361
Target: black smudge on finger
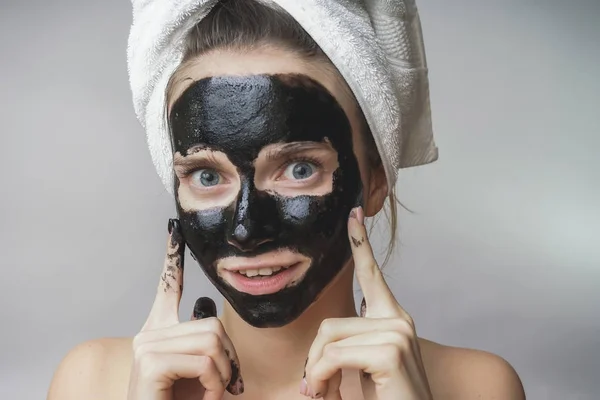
174,259
205,307
236,383
176,251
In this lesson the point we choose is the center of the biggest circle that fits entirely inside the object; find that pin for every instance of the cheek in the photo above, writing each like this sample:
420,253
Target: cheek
194,198
298,212
203,229
310,217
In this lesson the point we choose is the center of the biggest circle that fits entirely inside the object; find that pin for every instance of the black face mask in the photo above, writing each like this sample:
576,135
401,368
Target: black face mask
239,116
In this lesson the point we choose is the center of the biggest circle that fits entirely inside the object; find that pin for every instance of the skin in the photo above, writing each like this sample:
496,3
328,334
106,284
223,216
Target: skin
374,356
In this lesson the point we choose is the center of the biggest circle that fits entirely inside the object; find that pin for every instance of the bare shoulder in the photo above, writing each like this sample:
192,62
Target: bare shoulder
460,373
96,369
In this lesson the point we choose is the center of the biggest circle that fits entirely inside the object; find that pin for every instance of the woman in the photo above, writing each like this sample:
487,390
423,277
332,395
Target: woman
274,168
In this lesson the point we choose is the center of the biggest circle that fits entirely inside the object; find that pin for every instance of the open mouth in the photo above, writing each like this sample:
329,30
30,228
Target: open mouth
262,272
266,280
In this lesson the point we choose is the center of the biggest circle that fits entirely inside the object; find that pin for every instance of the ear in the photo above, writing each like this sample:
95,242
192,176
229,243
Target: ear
376,192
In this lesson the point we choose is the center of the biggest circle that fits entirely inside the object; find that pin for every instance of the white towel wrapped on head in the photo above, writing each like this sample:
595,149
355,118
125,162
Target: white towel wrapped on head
376,45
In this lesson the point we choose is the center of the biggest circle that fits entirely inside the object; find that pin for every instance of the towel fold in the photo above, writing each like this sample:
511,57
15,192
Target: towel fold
376,45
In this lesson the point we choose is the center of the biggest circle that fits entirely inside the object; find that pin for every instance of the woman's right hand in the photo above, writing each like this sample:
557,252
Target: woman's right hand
166,350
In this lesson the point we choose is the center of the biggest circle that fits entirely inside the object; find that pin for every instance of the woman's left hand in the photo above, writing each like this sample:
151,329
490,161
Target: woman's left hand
382,343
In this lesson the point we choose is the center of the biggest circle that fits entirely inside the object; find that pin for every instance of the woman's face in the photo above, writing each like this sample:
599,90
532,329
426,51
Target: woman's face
268,161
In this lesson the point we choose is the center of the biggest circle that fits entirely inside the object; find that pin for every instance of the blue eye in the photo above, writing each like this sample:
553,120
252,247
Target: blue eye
299,170
206,177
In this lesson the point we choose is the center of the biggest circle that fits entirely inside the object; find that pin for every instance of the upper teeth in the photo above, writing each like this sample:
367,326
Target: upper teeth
262,271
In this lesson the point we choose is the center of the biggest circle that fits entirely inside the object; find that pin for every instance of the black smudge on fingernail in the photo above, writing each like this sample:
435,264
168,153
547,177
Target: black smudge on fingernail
353,213
175,232
205,307
363,307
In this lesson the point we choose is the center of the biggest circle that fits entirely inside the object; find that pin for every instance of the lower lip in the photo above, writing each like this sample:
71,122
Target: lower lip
262,285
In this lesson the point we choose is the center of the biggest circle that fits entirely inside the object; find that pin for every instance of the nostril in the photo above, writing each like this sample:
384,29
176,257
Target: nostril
243,238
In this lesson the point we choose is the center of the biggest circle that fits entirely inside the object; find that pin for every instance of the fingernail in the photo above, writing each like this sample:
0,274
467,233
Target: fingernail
363,307
170,225
358,214
205,307
353,213
175,232
305,363
236,387
304,388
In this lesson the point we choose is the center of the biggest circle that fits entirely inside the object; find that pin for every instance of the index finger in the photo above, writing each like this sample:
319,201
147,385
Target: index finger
378,295
165,310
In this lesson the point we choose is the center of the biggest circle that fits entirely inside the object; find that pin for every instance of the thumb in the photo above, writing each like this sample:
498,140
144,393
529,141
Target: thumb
204,307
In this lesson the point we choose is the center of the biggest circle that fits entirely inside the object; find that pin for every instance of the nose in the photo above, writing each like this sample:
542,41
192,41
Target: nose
243,240
252,224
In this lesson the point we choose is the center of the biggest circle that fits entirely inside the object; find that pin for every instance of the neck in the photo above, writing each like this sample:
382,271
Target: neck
271,358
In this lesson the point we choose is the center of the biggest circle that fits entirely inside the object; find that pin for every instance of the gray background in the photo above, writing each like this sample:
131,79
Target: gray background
502,252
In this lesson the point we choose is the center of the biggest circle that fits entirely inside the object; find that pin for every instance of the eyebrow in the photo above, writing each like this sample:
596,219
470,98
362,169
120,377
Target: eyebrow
192,160
287,149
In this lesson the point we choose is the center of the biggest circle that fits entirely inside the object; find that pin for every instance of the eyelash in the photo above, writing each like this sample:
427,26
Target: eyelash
206,164
298,159
189,170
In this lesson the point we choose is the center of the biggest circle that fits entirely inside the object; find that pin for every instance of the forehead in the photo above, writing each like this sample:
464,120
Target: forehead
253,111
261,60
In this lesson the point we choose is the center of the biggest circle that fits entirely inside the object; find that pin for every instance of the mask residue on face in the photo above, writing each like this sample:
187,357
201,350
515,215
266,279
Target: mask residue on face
239,116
